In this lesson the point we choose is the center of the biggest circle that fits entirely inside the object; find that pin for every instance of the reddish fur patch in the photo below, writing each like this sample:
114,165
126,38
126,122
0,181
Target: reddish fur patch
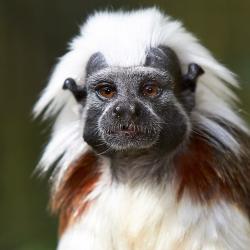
198,173
78,182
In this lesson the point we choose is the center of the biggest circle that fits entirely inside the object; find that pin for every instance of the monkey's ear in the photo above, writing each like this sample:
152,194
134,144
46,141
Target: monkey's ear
79,92
96,62
190,79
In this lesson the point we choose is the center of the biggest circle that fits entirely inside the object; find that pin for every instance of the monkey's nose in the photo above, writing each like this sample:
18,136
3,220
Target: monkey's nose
129,111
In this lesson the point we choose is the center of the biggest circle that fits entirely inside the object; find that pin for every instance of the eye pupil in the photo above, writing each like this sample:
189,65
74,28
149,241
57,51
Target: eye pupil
107,90
149,90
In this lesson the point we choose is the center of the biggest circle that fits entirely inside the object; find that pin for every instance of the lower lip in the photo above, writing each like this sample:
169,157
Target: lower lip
126,133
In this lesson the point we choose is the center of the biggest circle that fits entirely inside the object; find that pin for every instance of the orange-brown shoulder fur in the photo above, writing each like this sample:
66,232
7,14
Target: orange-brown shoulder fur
70,198
208,176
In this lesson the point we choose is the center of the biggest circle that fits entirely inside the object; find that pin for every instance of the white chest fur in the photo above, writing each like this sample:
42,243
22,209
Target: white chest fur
125,218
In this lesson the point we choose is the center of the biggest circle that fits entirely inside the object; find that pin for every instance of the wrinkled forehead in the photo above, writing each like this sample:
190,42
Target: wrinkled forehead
126,75
159,62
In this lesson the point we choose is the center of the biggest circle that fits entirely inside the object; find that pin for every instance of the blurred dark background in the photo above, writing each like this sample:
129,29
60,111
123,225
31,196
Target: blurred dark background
33,33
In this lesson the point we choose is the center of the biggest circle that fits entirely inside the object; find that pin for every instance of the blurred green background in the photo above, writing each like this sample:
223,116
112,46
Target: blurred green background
33,33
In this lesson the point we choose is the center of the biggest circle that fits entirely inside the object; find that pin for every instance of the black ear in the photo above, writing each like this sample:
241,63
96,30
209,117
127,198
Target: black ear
79,92
186,90
96,62
164,58
190,79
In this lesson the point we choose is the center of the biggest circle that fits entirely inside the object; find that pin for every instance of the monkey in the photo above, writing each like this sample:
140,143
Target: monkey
148,147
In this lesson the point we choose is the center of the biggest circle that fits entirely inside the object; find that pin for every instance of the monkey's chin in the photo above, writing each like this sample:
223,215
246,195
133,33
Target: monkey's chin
126,141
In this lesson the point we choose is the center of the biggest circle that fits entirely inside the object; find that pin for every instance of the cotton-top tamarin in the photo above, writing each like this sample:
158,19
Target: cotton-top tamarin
149,148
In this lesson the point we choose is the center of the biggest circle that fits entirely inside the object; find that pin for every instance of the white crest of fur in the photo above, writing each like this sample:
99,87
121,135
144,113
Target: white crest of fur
123,38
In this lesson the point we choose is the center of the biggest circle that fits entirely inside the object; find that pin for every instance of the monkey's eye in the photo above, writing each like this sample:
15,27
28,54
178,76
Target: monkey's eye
151,89
105,90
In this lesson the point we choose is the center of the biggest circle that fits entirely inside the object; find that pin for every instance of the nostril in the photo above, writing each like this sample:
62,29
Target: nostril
117,109
126,110
124,127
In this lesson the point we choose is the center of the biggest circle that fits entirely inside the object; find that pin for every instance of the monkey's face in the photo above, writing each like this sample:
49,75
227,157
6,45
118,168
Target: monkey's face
137,107
132,109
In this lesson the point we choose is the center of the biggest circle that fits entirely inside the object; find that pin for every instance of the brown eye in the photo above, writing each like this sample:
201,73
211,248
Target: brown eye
151,89
106,90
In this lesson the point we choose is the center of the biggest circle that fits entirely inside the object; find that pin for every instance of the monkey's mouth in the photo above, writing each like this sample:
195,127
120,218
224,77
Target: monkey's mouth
127,130
130,136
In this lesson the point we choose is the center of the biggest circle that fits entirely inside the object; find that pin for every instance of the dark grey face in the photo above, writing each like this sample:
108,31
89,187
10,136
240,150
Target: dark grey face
134,108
